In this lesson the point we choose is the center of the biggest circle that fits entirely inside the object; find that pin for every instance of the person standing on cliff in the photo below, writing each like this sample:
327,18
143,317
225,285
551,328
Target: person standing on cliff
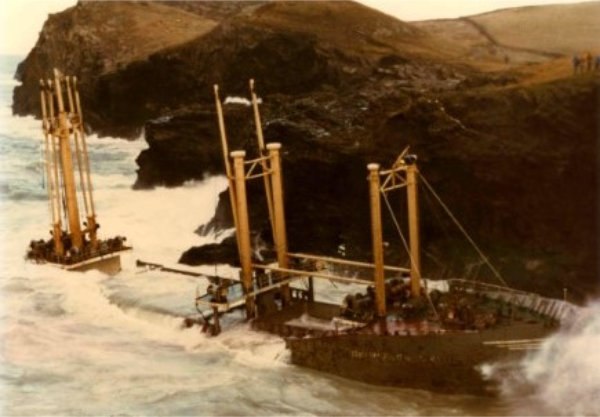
588,59
576,63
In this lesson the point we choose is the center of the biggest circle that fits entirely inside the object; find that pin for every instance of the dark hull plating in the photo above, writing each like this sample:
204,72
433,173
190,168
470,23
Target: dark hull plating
446,362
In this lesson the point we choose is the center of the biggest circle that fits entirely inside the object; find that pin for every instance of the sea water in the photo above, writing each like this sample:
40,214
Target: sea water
87,344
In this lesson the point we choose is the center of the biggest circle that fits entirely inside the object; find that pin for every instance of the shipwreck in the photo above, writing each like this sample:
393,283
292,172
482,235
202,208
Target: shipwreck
74,243
401,330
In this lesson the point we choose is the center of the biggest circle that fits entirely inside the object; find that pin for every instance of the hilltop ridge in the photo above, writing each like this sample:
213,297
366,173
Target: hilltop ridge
119,48
557,28
530,34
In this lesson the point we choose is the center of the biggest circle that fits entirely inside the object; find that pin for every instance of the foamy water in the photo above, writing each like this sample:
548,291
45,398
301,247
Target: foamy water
87,344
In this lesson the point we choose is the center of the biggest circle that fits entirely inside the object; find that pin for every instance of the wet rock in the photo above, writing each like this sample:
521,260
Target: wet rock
222,253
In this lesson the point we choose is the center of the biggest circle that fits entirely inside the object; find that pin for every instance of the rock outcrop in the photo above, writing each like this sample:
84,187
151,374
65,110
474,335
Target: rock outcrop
140,60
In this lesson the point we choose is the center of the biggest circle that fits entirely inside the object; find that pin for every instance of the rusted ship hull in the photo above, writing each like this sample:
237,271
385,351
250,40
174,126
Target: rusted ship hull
398,332
445,362
441,356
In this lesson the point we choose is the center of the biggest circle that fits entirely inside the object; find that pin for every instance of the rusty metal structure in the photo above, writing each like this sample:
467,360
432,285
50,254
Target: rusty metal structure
74,244
400,332
267,165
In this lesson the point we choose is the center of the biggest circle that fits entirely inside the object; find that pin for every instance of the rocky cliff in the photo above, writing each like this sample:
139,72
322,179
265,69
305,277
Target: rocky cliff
343,85
139,60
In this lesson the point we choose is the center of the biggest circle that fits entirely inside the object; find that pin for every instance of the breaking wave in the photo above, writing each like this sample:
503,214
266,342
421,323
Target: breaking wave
563,376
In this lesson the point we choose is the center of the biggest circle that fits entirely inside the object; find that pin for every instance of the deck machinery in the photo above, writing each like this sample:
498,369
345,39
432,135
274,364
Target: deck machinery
74,244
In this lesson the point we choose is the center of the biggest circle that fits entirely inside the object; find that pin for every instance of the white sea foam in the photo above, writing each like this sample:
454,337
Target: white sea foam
240,100
562,377
24,128
565,372
9,81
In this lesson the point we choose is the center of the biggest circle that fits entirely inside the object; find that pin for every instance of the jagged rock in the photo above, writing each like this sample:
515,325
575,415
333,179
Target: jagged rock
140,60
224,252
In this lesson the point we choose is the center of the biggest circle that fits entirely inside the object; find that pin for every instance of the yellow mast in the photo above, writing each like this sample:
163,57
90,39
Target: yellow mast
67,167
57,233
261,150
376,230
279,214
50,188
50,156
228,172
243,228
80,167
404,174
413,230
80,134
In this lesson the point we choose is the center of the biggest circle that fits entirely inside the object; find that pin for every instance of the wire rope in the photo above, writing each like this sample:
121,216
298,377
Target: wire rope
462,229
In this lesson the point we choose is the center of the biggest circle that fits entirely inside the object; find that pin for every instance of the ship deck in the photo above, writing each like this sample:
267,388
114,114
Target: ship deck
303,317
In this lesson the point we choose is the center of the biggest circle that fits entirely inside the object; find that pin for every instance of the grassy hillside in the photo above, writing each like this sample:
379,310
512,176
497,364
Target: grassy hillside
114,33
564,28
345,25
